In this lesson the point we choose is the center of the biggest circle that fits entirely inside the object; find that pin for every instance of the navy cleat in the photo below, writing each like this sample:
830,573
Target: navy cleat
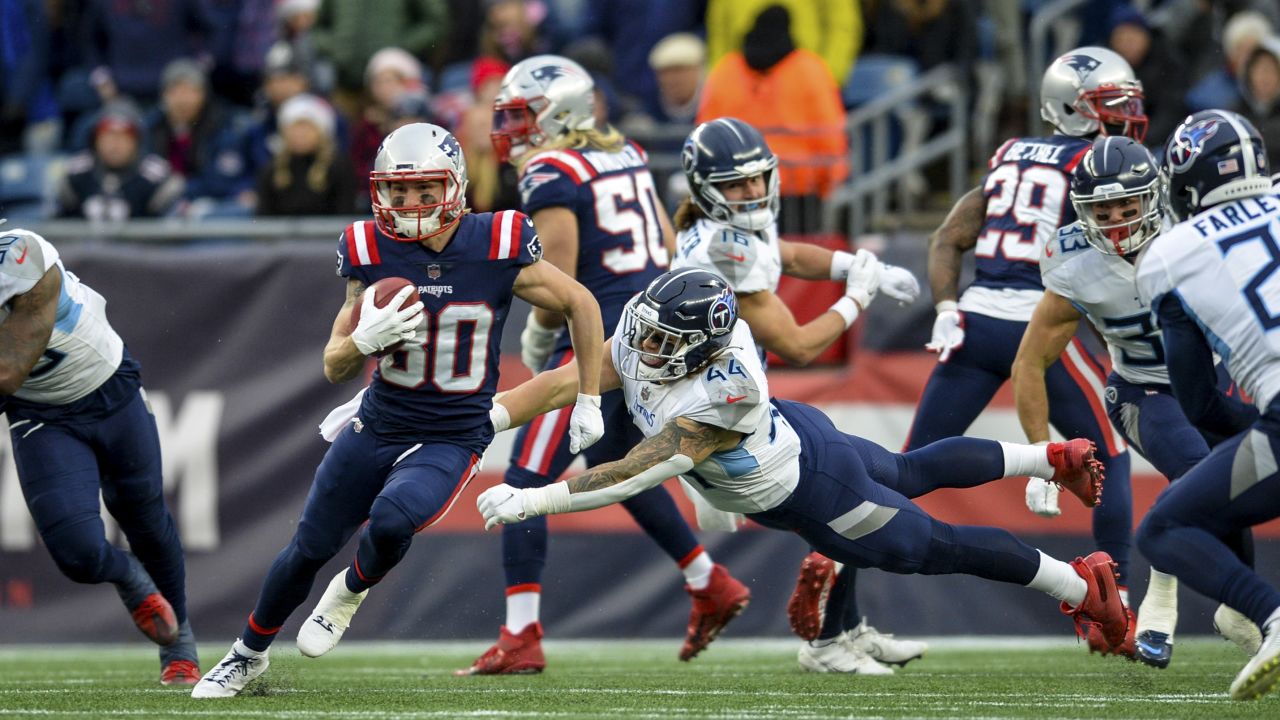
1154,648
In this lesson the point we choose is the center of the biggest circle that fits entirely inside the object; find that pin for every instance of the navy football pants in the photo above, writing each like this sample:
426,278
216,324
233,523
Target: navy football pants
61,468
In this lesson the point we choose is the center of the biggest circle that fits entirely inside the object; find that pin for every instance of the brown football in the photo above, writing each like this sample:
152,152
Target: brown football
383,291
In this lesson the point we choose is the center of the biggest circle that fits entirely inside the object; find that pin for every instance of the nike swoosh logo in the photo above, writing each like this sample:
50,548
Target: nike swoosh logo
23,258
1048,251
737,258
735,398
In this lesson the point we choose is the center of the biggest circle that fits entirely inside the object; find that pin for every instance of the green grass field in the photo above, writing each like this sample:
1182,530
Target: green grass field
734,679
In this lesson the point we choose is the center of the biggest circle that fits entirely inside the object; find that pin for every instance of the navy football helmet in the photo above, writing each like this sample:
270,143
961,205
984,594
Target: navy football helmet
1112,172
1214,156
677,325
729,149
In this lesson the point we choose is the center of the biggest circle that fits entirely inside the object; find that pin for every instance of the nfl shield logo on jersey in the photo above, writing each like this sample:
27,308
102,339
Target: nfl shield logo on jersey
433,272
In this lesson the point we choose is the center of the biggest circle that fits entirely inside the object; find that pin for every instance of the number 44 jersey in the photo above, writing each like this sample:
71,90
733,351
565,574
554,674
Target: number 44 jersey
612,195
1026,193
443,380
1221,264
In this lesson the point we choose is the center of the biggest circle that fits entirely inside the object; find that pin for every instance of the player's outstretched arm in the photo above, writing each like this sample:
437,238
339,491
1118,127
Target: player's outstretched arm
1052,326
957,235
25,334
681,445
776,329
547,391
342,359
546,286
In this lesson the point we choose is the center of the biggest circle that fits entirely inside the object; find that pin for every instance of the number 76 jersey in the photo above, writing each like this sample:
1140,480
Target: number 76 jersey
1221,265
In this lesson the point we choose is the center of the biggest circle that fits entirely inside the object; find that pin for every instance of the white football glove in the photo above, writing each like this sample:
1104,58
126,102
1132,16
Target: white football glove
586,425
502,505
536,344
381,327
899,284
948,331
1042,497
864,278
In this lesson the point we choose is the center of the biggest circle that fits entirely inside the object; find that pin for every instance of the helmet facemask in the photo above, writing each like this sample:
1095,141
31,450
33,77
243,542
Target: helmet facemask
751,215
658,350
1133,217
1117,109
391,194
515,127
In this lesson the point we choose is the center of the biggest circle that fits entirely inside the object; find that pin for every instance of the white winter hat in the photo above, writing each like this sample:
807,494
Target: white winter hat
394,58
307,107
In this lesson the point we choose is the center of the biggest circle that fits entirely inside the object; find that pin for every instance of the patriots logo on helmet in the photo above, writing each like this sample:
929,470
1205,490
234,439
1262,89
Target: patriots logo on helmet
449,146
723,313
547,73
1081,64
1189,141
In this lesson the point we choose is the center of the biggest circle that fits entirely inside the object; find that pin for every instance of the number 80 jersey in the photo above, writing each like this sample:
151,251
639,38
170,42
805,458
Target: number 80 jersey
1026,190
443,380
612,195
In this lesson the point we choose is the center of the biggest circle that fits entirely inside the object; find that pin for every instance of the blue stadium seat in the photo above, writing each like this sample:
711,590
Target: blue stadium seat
28,184
873,75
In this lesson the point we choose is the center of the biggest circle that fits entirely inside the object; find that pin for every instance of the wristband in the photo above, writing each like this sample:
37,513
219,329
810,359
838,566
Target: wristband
946,306
847,309
499,417
840,262
547,500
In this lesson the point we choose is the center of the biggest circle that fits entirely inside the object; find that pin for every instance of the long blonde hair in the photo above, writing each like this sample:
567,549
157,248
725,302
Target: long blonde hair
687,214
608,140
281,177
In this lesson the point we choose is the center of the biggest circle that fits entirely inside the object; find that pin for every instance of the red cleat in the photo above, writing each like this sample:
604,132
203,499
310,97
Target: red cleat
1076,469
723,599
154,617
511,655
1128,649
1101,606
808,601
180,672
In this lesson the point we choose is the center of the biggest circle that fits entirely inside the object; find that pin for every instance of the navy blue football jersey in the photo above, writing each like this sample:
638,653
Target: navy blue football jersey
613,196
1027,201
443,380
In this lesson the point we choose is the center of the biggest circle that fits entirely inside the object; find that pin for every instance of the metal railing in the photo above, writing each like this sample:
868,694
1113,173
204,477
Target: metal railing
1043,22
178,230
882,172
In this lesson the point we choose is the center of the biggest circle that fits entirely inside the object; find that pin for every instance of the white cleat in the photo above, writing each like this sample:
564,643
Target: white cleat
1262,673
837,657
883,647
1237,628
228,678
331,618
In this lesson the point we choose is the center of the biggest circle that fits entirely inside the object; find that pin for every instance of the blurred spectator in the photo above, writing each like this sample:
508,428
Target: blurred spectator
491,184
1260,84
28,111
509,32
831,28
307,175
789,95
630,29
349,33
1196,29
1221,87
243,30
1161,73
114,181
128,43
391,74
931,32
197,134
296,20
466,19
678,61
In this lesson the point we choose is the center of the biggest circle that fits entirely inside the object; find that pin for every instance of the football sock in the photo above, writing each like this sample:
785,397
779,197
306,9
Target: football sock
1159,609
1059,580
1113,518
697,572
240,648
183,649
1022,459
522,610
843,594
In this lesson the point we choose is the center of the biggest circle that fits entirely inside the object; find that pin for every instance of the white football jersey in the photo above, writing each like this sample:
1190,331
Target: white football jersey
1222,264
749,262
731,393
1102,287
83,350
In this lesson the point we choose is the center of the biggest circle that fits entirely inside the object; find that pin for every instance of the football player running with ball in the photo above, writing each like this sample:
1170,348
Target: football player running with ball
697,390
403,452
81,424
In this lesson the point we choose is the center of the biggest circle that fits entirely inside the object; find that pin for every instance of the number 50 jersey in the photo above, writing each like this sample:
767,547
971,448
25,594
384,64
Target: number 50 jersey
1026,190
443,380
612,194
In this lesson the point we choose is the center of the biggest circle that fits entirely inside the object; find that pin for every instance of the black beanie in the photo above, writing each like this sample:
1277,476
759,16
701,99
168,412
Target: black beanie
769,40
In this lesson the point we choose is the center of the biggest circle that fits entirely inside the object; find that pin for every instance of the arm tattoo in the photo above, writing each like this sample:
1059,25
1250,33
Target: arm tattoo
959,232
696,444
355,289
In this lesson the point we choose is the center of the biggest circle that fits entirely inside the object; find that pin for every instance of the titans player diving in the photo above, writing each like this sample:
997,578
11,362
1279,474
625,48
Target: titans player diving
416,437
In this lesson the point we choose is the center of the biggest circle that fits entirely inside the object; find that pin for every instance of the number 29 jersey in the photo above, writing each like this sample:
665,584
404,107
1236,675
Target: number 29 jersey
1026,190
443,380
612,194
